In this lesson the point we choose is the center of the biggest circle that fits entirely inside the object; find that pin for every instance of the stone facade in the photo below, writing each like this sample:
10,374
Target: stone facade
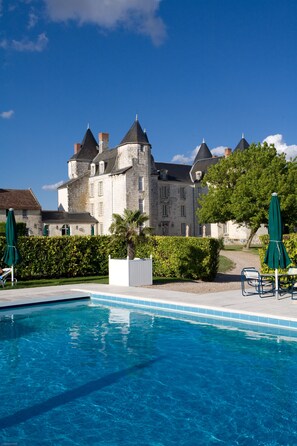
105,181
26,208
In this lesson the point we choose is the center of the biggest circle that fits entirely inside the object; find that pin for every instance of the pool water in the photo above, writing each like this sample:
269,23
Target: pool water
87,374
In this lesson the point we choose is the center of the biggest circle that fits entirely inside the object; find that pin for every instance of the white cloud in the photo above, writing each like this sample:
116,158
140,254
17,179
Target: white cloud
185,159
7,114
52,186
218,151
32,20
29,45
137,15
281,146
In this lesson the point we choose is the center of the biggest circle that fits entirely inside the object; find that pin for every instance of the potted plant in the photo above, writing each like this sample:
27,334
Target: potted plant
130,228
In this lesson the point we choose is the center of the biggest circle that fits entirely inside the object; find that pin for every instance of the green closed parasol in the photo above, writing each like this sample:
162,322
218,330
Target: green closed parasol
276,255
11,254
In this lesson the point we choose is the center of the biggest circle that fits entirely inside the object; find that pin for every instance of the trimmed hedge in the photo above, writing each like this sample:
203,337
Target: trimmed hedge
290,242
53,257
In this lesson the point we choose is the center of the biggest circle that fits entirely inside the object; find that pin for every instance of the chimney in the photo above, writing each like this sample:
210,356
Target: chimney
227,152
103,141
77,147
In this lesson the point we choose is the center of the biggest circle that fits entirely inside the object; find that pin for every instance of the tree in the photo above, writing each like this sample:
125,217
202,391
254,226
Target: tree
240,188
130,228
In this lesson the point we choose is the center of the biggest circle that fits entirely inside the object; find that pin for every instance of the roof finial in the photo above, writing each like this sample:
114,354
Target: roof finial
136,117
242,135
203,141
88,126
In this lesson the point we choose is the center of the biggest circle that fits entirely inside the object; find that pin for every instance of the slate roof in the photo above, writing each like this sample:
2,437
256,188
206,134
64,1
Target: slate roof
203,153
242,145
176,172
135,135
18,199
88,148
203,165
109,158
73,180
66,217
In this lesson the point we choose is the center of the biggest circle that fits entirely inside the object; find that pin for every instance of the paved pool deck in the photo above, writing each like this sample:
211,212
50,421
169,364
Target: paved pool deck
227,301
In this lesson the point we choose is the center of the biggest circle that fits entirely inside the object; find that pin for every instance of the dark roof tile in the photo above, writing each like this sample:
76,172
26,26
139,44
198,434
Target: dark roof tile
135,135
88,149
18,199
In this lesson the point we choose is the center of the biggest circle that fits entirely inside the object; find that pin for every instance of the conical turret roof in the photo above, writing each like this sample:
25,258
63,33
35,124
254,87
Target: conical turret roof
135,135
203,152
242,145
88,148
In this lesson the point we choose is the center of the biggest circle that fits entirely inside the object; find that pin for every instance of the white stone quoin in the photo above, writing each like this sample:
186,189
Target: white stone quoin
127,272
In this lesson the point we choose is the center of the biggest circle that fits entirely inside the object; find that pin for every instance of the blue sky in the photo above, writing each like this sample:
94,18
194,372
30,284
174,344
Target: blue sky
190,69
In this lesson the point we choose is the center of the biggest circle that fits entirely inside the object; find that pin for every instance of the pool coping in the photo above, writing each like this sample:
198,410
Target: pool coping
227,305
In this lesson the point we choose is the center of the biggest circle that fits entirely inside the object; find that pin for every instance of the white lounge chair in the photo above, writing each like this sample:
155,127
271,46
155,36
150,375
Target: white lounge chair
252,282
4,276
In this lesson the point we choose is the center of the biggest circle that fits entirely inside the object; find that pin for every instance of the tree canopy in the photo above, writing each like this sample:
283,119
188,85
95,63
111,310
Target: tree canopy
240,188
130,228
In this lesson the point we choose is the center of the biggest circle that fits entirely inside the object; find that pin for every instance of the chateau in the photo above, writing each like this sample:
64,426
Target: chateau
104,181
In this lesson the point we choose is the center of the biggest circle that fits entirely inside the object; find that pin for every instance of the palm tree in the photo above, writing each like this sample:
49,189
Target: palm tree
130,228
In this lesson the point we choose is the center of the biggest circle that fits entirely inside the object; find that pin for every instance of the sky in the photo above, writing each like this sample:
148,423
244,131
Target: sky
189,69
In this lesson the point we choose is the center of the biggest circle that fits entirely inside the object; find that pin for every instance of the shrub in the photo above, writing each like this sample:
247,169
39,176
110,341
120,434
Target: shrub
54,257
290,242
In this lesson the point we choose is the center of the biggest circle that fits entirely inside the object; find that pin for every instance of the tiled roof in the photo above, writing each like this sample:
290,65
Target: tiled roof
18,199
73,180
203,165
242,145
135,135
203,153
109,158
66,217
176,172
88,148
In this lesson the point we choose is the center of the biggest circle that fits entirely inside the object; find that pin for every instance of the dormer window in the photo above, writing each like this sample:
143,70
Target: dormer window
199,175
93,169
163,174
101,167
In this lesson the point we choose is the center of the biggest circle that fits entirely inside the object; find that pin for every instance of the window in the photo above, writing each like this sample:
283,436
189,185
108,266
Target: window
141,205
25,213
92,190
164,191
182,193
140,184
165,210
100,188
101,167
198,175
93,169
92,209
183,229
101,228
183,211
100,208
65,230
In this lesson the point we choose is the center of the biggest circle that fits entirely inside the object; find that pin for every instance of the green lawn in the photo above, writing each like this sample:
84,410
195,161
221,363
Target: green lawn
225,265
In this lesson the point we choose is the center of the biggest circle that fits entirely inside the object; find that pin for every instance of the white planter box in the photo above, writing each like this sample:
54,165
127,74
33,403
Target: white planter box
127,272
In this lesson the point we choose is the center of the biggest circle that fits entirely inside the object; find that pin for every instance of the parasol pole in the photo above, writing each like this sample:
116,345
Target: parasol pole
276,283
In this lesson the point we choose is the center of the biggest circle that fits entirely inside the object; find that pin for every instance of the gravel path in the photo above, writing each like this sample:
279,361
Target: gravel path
223,282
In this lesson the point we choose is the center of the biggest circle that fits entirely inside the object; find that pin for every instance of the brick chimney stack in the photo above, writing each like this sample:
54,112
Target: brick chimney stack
103,141
227,152
77,147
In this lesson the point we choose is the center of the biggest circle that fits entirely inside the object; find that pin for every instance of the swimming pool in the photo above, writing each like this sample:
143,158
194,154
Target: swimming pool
84,373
